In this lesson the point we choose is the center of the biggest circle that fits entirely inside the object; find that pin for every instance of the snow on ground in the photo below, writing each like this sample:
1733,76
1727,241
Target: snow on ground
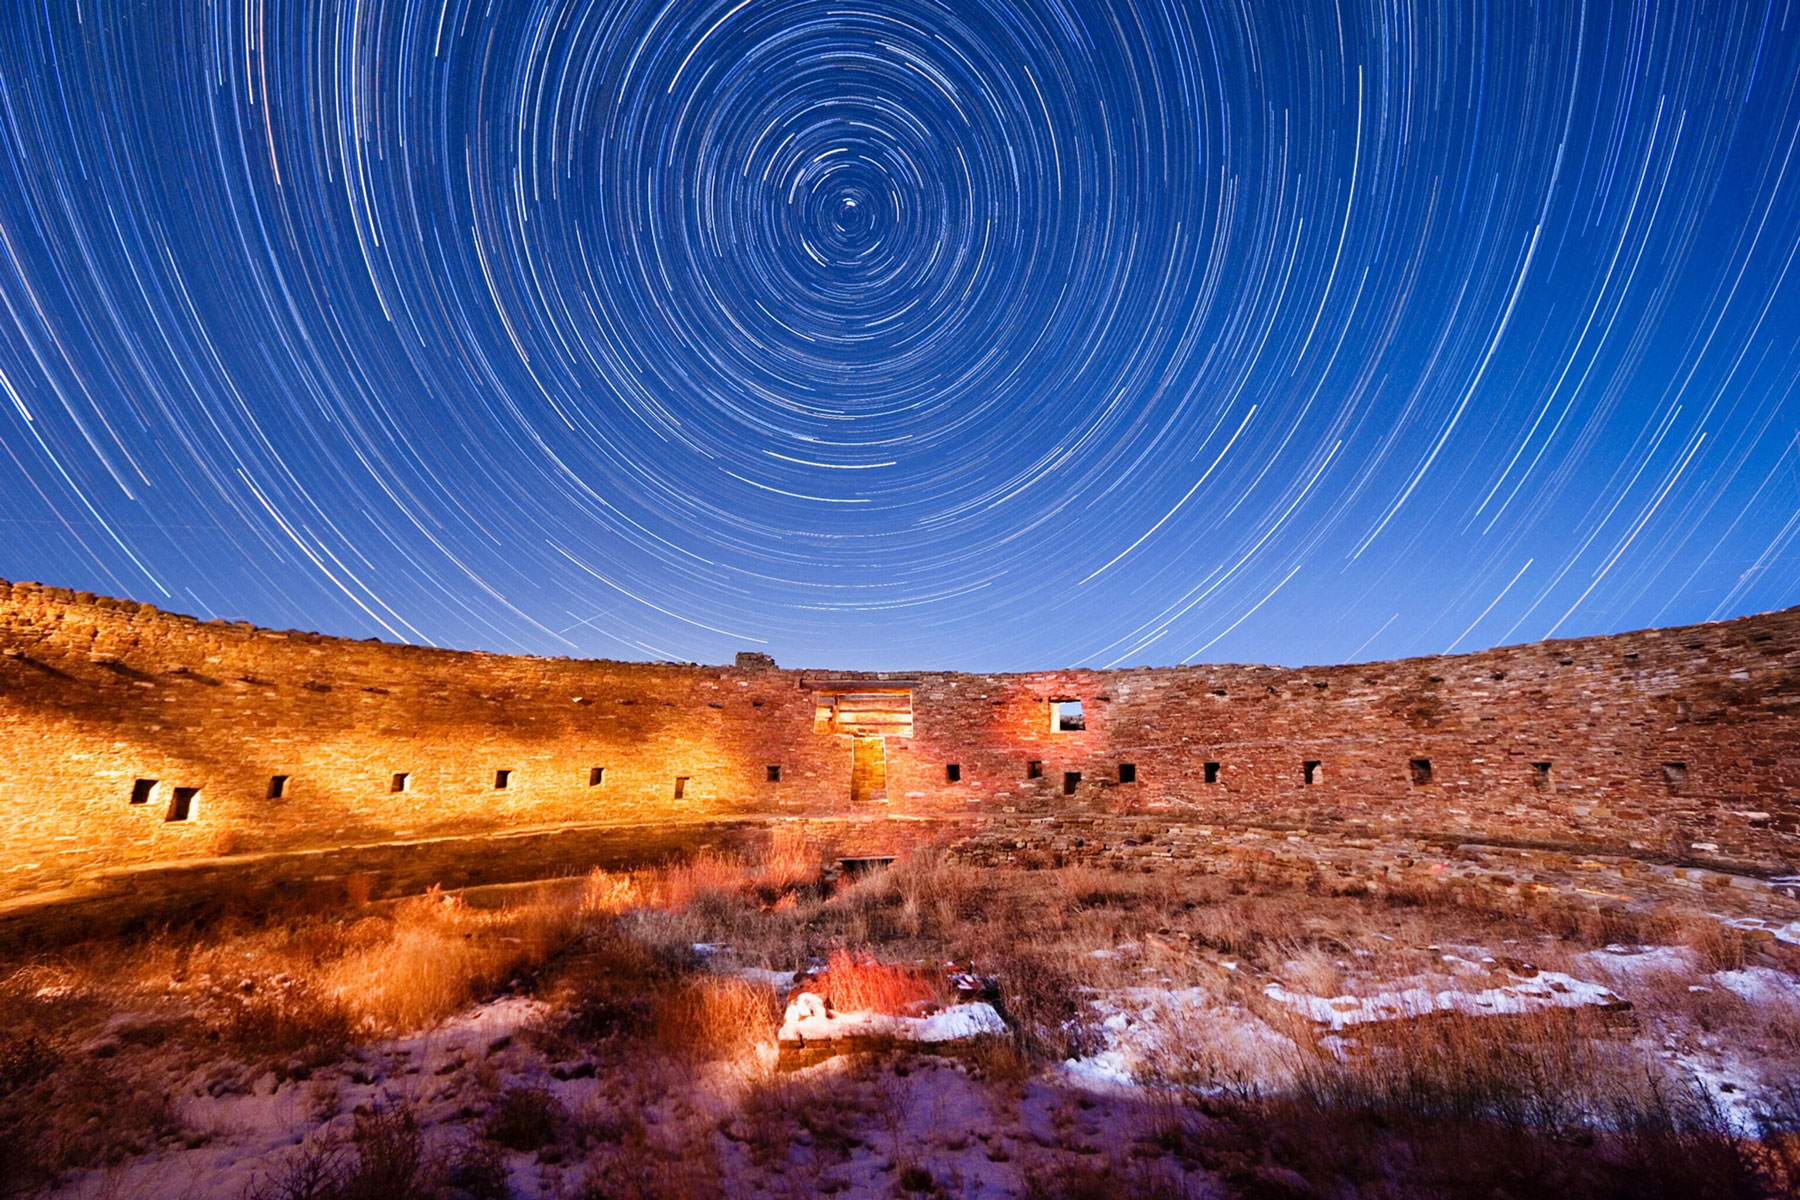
1621,963
966,1130
1187,1036
808,1020
1789,933
1545,989
1761,986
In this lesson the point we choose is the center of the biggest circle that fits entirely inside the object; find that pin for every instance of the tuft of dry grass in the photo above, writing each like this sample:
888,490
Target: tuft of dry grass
440,954
716,1016
525,1119
607,894
856,982
384,1158
1076,1177
790,861
707,874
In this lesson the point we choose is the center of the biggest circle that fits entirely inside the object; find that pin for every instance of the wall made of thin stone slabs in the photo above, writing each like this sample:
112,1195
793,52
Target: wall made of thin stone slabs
96,693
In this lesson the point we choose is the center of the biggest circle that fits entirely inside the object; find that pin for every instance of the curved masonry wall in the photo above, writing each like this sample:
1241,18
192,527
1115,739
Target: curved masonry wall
1675,743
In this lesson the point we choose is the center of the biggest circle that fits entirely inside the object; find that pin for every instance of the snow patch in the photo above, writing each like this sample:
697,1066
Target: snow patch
807,1020
1761,986
1547,989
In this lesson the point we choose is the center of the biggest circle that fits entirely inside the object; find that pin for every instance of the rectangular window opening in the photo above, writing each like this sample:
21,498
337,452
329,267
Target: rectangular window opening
1071,781
952,772
1066,716
1127,772
680,786
181,803
1314,769
1421,771
774,772
278,787
1034,769
141,790
1540,774
502,780
1674,774
1212,772
596,776
402,782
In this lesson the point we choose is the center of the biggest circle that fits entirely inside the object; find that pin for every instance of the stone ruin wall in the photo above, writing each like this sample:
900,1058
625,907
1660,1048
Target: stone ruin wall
1678,744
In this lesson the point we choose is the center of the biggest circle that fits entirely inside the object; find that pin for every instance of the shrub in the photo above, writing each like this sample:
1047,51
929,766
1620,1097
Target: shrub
1078,1178
605,894
24,1059
716,1017
290,1018
858,983
1044,1005
705,874
384,1159
525,1119
789,861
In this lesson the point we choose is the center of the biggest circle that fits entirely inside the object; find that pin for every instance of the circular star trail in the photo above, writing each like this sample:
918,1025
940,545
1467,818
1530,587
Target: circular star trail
905,334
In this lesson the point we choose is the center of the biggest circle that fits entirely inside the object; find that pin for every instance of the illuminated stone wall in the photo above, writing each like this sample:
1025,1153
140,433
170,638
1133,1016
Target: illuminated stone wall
96,694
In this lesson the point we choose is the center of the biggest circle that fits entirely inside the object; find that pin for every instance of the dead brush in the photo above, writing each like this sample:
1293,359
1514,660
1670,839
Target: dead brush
937,893
1079,1177
676,1161
716,1017
1043,1001
82,1112
1545,1070
607,894
825,1114
709,873
525,1119
289,1019
440,954
856,982
385,1157
789,862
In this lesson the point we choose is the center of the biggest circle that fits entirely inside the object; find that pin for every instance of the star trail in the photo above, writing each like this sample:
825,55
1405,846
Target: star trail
1004,335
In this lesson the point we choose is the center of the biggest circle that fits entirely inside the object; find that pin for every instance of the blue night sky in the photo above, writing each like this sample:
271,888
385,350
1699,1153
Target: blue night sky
1005,335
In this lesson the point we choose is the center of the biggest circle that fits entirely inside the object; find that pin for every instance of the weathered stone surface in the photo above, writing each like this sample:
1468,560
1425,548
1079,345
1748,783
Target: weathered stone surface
1674,745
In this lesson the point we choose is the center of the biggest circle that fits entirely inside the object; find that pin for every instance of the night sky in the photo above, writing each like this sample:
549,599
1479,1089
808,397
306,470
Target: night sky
997,335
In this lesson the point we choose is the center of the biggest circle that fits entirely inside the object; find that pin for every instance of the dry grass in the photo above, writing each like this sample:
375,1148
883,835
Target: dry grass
712,1017
384,1158
1452,1106
856,982
789,862
704,876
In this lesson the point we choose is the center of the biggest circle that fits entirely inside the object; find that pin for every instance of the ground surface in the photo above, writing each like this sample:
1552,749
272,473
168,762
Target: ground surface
1173,1033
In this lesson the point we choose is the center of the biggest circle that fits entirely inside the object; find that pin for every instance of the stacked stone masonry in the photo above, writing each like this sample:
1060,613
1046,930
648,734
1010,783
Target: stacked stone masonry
1673,744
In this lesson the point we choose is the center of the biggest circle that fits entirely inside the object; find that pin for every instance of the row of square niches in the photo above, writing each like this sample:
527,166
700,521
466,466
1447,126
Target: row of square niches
182,799
181,804
505,777
1312,771
1071,779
